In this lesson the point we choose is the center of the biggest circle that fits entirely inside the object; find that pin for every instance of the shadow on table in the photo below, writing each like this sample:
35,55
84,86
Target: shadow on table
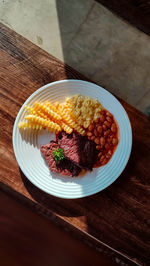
93,214
135,12
80,207
63,207
105,48
86,206
108,214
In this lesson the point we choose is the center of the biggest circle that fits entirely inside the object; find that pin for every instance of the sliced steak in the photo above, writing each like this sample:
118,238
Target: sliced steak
68,165
69,144
78,149
64,167
88,153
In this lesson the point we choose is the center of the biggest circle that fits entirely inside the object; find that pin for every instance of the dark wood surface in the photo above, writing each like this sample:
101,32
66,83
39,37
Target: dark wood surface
115,221
136,12
28,239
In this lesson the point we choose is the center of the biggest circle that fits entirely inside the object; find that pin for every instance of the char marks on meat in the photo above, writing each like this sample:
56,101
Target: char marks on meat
69,144
78,149
64,167
79,153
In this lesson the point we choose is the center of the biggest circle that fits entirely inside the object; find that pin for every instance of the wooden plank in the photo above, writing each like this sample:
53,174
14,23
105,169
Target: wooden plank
119,215
29,239
136,12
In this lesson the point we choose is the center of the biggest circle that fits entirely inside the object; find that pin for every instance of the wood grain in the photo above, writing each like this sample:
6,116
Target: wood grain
28,239
136,12
119,216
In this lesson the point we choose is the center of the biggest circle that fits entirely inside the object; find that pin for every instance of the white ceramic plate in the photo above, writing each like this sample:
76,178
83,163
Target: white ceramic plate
27,144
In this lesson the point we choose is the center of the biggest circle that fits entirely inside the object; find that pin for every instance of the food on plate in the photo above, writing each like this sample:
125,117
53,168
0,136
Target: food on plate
49,125
79,149
64,166
23,125
66,116
104,132
47,111
86,133
69,154
33,111
65,127
58,154
84,109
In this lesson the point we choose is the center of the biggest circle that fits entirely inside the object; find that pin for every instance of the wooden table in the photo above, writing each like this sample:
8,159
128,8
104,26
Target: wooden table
116,221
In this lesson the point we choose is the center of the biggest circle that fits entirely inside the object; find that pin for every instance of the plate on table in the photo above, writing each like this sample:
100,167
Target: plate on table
27,144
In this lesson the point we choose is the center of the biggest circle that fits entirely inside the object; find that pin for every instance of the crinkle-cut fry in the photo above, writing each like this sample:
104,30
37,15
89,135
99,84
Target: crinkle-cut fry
39,113
61,105
67,118
66,128
30,109
63,125
33,111
28,125
49,125
51,106
68,100
56,104
67,105
46,110
69,110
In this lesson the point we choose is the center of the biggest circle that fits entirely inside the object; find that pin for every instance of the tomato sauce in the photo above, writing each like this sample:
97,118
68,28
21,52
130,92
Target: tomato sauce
105,133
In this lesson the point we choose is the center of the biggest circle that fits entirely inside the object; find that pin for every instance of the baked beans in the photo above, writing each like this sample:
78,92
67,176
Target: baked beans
104,132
